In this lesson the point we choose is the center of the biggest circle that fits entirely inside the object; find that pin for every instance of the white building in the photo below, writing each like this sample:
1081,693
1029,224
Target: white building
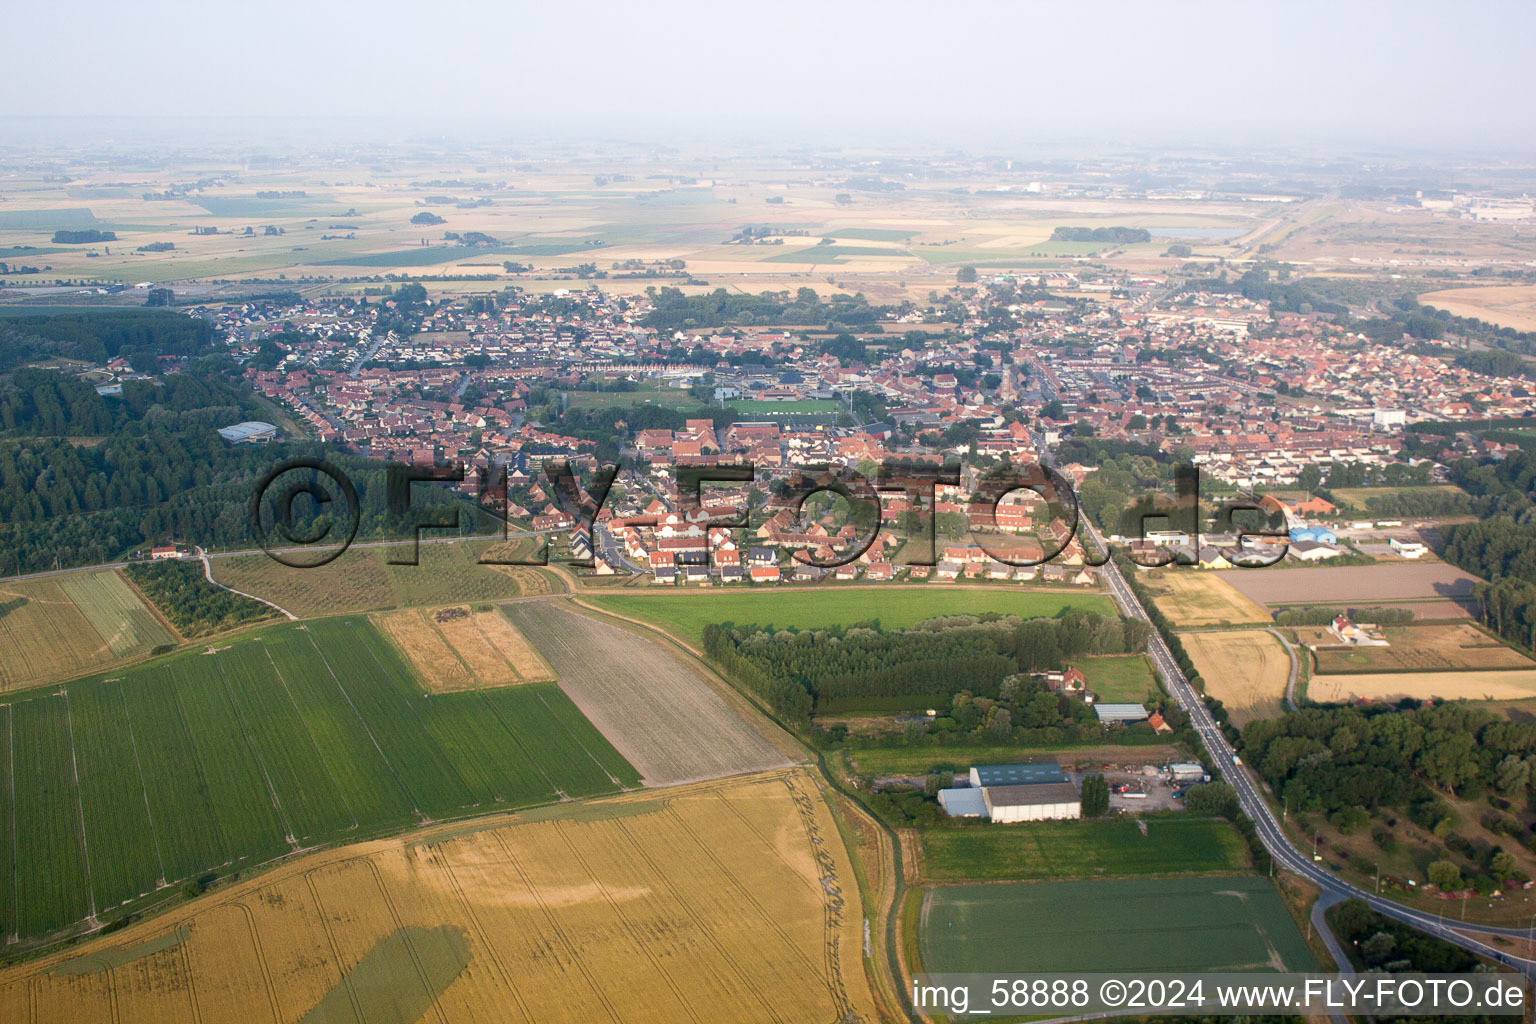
1407,548
1040,802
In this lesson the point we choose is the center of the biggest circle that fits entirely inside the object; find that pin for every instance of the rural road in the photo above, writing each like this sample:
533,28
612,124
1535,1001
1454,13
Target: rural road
1290,685
1251,799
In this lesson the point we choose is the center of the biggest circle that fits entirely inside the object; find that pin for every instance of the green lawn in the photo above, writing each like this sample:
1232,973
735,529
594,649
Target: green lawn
809,406
1175,924
884,762
1081,849
685,614
671,399
1119,678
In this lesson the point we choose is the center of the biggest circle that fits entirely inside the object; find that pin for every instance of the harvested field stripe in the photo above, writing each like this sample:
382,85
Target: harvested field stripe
330,937
617,912
444,865
74,769
639,851
553,921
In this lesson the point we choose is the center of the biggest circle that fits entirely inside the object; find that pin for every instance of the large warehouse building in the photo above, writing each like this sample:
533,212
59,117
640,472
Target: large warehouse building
1014,792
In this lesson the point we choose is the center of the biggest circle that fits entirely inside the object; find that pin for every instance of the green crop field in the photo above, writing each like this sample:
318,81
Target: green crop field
1081,849
47,220
1175,924
219,760
429,255
1119,678
686,614
115,611
834,254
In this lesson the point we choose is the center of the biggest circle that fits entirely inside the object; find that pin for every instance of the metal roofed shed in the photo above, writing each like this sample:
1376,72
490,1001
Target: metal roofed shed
966,802
1120,712
249,432
1017,774
1040,802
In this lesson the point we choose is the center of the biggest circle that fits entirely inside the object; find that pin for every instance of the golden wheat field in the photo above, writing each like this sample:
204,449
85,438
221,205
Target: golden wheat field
1245,669
1197,597
57,628
456,649
726,901
1503,684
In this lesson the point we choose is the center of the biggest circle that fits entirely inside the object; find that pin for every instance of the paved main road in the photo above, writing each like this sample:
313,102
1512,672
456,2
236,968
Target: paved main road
1254,806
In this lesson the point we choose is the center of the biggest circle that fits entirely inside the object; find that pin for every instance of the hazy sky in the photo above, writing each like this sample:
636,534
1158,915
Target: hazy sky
1416,75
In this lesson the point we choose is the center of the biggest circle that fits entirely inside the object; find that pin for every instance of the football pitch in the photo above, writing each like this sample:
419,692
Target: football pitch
1178,924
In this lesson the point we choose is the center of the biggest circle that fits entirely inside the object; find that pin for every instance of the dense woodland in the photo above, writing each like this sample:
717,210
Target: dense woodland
135,335
673,311
974,668
195,606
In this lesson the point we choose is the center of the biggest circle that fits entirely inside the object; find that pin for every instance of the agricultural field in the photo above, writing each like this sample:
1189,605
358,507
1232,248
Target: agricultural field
1246,669
457,648
362,579
1505,305
1508,684
1449,647
1200,597
652,706
68,625
1395,585
1080,849
1173,924
685,615
284,738
1119,678
732,901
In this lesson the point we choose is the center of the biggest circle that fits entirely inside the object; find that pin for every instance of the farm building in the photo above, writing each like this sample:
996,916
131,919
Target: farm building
1188,771
1014,792
1112,713
1039,802
1407,548
1017,774
963,802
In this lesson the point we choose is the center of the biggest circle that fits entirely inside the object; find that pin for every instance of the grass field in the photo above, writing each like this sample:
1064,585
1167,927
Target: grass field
1511,684
61,627
1175,924
637,692
1119,678
361,579
670,399
1360,496
1245,669
735,901
1194,597
1438,648
803,407
1080,849
221,759
686,614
